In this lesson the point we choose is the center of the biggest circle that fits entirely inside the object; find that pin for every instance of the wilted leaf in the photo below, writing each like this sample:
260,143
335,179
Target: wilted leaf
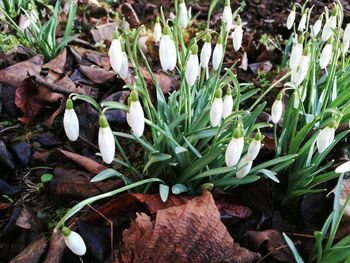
31,253
130,14
58,63
5,157
103,32
97,75
185,233
56,248
28,220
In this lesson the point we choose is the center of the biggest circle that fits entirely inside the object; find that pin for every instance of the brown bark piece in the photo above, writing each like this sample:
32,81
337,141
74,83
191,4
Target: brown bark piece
191,232
32,252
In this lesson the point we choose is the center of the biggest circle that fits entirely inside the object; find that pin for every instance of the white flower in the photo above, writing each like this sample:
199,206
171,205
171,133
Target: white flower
183,15
167,51
326,55
228,104
163,192
276,109
343,168
291,18
227,16
254,147
346,47
235,147
329,26
302,92
346,37
157,31
216,109
71,122
237,36
218,54
206,51
136,115
325,137
302,23
106,141
317,27
299,74
192,67
296,54
244,167
74,242
124,69
115,53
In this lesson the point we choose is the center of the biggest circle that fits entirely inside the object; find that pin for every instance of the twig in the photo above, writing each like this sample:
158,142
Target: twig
10,128
277,249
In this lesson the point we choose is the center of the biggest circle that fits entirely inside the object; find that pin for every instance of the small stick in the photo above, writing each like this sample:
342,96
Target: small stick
276,249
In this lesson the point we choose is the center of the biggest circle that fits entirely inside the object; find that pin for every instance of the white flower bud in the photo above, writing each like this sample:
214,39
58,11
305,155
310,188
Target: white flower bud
346,47
291,18
326,55
316,27
346,37
71,122
206,52
227,17
192,67
254,147
124,69
299,74
328,28
237,36
296,54
244,167
183,15
228,104
276,109
163,192
106,141
167,51
74,242
115,54
218,54
157,31
136,115
216,110
343,168
325,138
302,23
235,147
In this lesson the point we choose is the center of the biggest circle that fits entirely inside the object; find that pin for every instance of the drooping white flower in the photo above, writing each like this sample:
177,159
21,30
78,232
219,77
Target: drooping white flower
216,109
301,92
326,54
346,47
228,103
244,167
326,137
276,109
183,15
167,51
71,122
227,16
329,26
124,69
235,147
136,115
218,54
315,30
163,192
296,54
343,168
115,53
106,142
255,146
74,241
302,23
237,36
298,75
157,31
346,37
192,66
206,51
291,18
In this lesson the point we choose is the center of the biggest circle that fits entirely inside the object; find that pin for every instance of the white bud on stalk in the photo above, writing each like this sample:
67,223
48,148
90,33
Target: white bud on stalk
157,31
276,109
326,55
255,146
346,37
227,16
163,192
228,103
291,18
106,141
167,51
206,51
218,54
317,27
124,69
183,15
216,109
326,137
74,241
235,147
296,54
192,66
302,23
343,168
244,167
136,115
115,53
237,36
298,75
71,122
329,26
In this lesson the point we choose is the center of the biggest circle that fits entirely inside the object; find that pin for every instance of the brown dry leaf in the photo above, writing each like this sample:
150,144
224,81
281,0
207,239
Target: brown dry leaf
56,248
270,240
97,75
58,63
88,164
28,220
31,253
103,32
17,73
80,54
76,184
166,82
191,232
31,99
130,14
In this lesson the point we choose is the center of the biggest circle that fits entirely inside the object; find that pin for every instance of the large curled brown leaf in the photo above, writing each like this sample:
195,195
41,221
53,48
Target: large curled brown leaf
191,232
32,252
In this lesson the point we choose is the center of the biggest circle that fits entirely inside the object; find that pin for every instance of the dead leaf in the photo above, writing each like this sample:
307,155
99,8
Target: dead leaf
103,32
166,82
185,233
270,240
17,73
28,220
244,62
31,253
130,15
58,63
262,67
88,164
56,248
99,59
97,75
